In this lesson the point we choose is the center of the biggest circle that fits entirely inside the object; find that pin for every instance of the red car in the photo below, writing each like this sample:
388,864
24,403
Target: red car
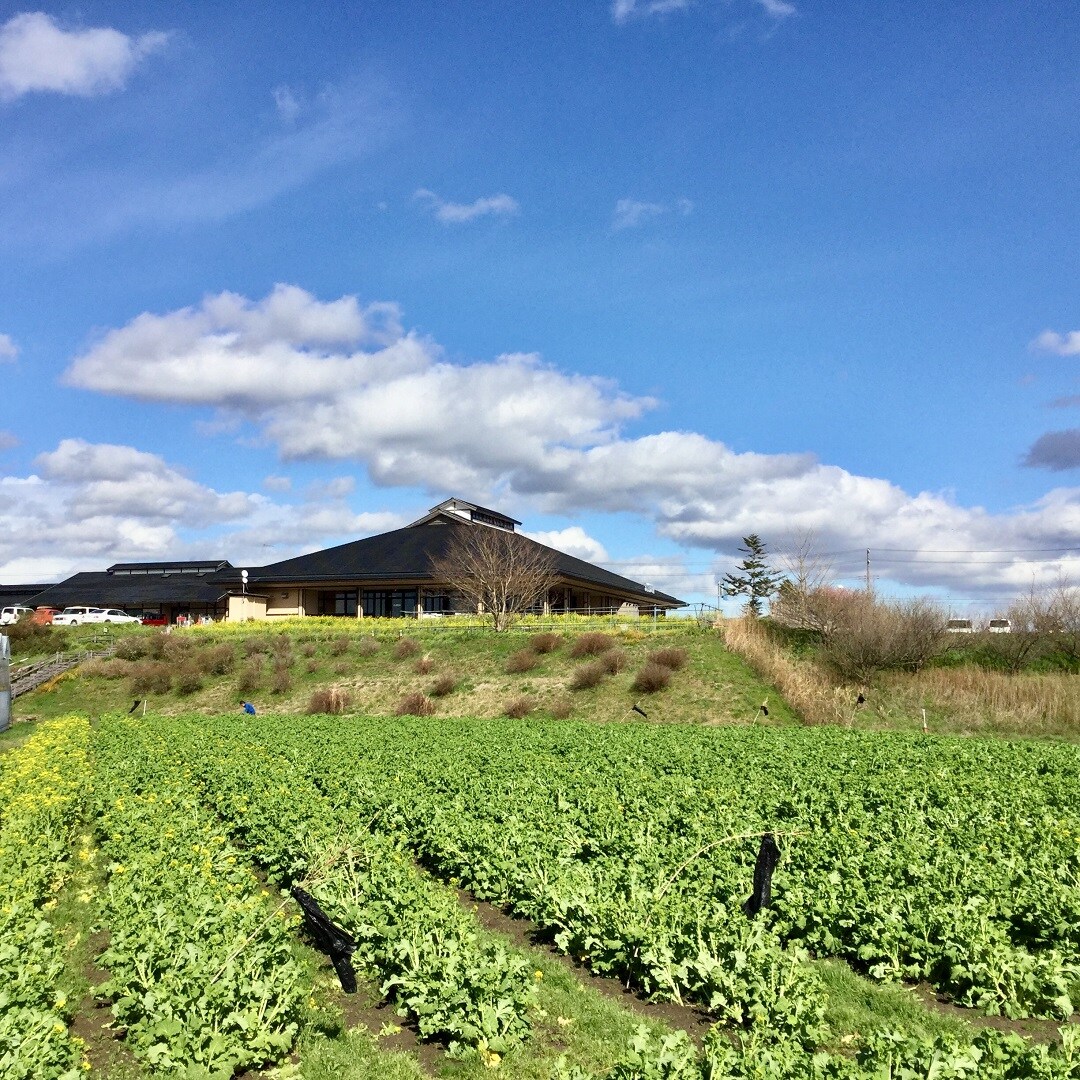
155,620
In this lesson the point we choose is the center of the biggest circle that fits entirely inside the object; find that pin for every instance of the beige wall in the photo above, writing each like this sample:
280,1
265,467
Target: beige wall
284,603
245,608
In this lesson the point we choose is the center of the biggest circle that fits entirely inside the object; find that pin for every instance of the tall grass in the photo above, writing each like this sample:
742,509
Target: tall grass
810,691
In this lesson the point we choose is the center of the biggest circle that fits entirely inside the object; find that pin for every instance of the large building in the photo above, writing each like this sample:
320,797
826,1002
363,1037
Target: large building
389,575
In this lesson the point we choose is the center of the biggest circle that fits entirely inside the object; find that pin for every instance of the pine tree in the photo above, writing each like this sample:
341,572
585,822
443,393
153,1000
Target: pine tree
755,579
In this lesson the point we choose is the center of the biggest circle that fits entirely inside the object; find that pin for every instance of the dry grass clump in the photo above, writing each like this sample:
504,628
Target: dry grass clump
114,668
150,677
312,666
415,704
518,708
217,659
189,678
546,642
613,661
587,676
591,644
651,678
405,648
250,677
257,643
443,685
132,647
521,661
307,649
424,665
30,634
340,645
367,646
281,680
332,701
671,658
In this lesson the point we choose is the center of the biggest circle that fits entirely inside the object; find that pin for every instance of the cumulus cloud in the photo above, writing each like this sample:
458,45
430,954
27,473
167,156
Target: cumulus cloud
1060,344
38,54
450,213
340,381
87,505
574,540
9,351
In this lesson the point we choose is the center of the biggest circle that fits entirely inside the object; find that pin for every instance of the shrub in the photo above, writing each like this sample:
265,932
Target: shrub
587,676
519,707
415,704
591,644
424,665
251,675
32,635
133,647
546,643
340,645
154,645
405,648
307,649
312,666
333,701
218,659
613,661
651,677
671,658
443,685
106,669
189,678
367,646
259,643
869,636
520,661
280,680
150,677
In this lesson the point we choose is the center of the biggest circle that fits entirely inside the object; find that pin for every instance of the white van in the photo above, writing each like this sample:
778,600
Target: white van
13,614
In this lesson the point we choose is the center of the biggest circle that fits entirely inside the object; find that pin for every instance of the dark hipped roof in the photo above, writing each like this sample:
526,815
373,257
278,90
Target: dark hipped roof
104,589
406,554
19,594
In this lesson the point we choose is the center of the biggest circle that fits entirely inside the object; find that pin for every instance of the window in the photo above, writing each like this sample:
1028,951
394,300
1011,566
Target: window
337,603
390,603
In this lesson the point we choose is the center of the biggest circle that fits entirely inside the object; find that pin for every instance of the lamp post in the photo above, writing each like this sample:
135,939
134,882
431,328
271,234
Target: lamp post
243,581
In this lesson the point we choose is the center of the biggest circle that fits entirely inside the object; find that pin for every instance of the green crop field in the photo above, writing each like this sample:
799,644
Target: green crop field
145,862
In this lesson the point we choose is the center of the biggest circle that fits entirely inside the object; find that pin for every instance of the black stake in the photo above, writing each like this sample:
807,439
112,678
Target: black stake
328,938
638,709
767,857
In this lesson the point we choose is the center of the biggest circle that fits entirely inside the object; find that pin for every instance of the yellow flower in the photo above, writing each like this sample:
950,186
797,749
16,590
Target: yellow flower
538,975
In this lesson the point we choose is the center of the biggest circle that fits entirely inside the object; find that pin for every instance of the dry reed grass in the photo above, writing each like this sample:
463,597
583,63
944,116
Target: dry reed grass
806,688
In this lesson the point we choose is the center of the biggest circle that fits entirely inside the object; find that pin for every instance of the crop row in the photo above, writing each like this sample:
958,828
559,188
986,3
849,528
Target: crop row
956,862
43,790
202,974
428,951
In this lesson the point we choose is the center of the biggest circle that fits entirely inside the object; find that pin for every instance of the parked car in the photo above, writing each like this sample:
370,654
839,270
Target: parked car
45,614
73,616
155,620
13,614
115,615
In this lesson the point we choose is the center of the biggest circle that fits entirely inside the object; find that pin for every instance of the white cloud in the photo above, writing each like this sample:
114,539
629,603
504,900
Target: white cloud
8,440
513,427
278,484
450,213
621,10
287,106
574,540
778,9
335,489
9,351
37,54
1060,344
630,213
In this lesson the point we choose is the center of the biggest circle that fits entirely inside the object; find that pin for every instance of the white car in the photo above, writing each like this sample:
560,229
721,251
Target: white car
114,615
72,616
13,614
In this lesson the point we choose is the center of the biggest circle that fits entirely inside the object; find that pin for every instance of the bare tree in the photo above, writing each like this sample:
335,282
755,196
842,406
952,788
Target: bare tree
804,599
500,573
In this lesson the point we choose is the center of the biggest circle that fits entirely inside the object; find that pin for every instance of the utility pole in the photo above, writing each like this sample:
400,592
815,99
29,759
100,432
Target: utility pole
867,571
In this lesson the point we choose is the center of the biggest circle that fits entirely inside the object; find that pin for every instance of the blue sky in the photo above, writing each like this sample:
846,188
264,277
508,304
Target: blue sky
647,275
